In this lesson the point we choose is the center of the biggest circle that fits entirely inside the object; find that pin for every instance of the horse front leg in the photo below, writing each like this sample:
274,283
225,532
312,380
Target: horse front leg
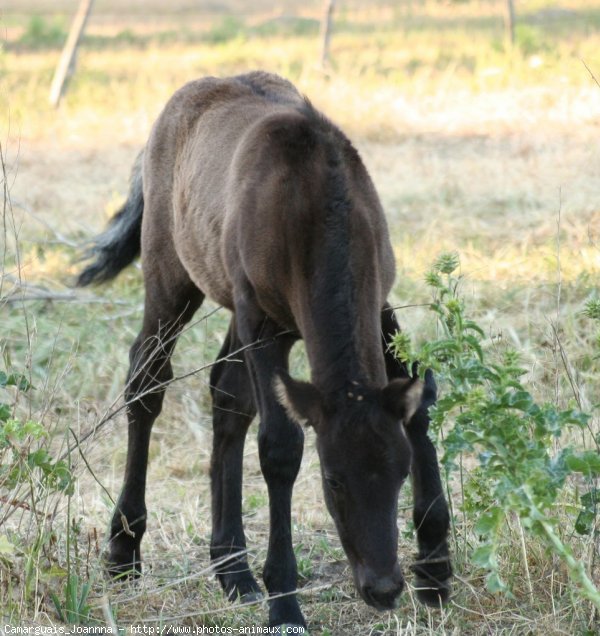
431,518
233,411
280,445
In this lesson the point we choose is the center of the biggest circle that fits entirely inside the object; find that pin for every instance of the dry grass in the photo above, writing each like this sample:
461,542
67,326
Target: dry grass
478,152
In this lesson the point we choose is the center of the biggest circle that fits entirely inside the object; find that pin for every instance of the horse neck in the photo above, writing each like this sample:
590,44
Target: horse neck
343,355
339,318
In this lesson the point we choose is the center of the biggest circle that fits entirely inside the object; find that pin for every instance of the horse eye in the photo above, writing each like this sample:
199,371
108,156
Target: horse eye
334,484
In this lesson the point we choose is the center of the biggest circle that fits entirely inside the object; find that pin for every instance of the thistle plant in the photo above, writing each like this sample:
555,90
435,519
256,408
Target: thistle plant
485,409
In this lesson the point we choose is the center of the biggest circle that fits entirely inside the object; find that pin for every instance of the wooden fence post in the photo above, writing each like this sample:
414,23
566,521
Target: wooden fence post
326,23
66,64
509,19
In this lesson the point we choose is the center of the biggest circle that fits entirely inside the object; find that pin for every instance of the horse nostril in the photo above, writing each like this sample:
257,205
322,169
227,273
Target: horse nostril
368,595
383,594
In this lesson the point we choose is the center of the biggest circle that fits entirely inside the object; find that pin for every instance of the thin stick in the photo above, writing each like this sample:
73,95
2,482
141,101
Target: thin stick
410,306
558,294
17,503
231,357
60,238
87,465
14,297
525,563
567,366
590,72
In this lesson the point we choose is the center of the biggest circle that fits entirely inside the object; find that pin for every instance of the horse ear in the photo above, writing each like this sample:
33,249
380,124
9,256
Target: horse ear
430,390
301,400
402,397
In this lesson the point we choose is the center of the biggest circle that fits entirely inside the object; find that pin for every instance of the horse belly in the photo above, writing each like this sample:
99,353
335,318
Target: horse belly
198,241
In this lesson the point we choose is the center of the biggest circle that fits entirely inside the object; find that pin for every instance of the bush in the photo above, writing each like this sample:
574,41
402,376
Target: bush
41,34
487,410
228,29
29,474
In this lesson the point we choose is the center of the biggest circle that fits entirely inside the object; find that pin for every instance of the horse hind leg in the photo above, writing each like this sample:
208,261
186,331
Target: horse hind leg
169,305
233,411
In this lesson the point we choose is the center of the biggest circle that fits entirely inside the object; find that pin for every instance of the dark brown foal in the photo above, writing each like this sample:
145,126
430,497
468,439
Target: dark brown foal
247,194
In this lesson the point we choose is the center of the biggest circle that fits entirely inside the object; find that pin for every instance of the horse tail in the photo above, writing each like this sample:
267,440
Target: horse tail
120,243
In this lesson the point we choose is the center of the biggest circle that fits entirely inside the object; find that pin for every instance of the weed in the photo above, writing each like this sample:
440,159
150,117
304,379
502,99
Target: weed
75,609
514,437
287,26
29,474
253,502
229,28
304,561
531,40
25,461
43,34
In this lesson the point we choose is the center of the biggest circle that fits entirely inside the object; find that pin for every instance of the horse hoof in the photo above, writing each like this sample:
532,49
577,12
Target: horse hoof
123,570
251,597
432,594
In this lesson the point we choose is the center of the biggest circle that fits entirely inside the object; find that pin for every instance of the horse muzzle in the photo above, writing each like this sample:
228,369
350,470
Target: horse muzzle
380,592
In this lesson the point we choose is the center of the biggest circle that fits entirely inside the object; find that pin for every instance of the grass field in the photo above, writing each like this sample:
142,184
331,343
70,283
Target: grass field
474,145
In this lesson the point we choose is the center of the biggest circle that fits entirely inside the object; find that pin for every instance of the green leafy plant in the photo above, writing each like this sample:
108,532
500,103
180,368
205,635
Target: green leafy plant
486,409
532,40
75,609
24,459
229,28
28,475
587,520
304,561
41,34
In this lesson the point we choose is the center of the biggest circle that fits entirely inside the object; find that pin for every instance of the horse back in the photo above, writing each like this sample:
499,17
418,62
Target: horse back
245,167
